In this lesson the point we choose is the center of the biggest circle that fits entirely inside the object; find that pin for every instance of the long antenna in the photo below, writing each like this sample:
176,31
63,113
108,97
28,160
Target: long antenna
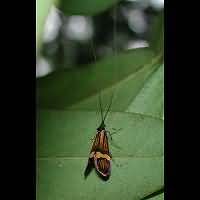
115,54
95,59
108,107
115,41
100,105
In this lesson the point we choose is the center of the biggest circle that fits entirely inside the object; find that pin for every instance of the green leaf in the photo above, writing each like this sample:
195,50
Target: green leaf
64,143
86,7
42,10
150,100
157,33
59,134
158,197
79,88
154,194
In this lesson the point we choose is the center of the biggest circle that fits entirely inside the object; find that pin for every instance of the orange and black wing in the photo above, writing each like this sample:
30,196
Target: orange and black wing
101,143
90,166
102,166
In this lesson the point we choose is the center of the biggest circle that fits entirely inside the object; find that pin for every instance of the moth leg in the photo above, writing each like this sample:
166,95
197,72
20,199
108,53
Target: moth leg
111,139
92,139
115,131
111,155
110,135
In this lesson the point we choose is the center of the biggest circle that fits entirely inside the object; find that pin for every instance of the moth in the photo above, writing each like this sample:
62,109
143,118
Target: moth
100,156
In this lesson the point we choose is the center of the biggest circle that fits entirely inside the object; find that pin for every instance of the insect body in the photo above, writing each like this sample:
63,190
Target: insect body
100,156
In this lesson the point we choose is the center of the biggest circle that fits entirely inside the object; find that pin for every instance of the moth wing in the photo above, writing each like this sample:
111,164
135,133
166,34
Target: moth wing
88,168
102,165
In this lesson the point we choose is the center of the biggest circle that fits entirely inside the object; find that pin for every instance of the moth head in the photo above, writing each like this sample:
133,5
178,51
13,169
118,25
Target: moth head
101,127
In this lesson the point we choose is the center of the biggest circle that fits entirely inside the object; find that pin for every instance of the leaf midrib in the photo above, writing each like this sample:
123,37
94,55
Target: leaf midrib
86,157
